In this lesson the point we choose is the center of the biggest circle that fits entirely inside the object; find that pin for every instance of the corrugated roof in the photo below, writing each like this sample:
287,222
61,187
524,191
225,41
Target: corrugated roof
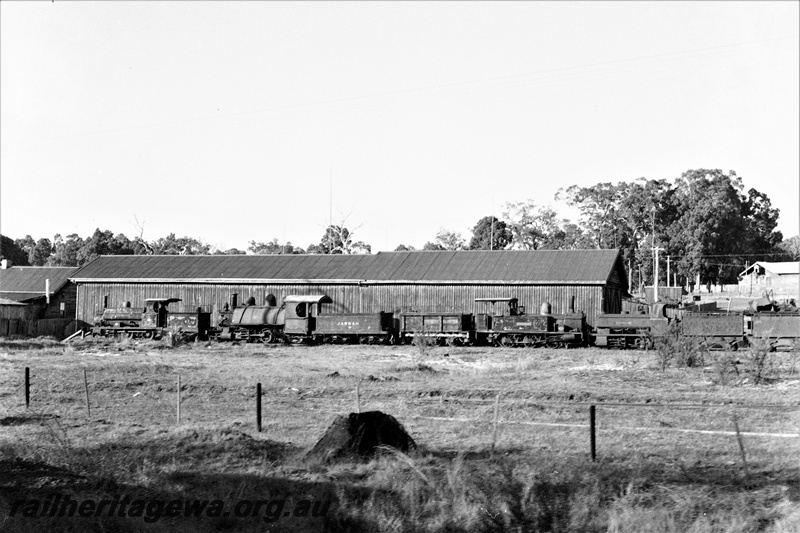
22,296
540,266
783,268
25,283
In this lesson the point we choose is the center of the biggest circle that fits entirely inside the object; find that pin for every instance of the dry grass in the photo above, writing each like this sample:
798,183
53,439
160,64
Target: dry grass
539,479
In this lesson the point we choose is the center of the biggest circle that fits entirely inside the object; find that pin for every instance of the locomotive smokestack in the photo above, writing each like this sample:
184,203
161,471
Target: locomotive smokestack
234,300
572,304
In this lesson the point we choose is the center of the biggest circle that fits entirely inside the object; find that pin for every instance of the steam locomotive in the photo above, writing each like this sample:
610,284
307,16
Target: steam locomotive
153,322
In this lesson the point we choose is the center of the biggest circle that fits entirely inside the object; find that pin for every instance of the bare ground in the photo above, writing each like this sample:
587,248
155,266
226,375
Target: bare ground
660,466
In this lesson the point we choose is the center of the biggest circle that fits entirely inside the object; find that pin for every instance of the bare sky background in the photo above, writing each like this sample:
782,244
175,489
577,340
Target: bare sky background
227,122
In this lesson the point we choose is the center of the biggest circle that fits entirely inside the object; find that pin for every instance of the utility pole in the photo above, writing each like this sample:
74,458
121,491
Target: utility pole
667,271
747,265
630,276
653,232
330,209
655,275
639,290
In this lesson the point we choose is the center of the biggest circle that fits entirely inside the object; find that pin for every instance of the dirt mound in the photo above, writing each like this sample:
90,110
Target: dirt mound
358,435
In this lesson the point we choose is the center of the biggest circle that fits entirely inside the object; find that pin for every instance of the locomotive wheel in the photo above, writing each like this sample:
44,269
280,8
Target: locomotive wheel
554,342
454,341
148,335
506,341
529,341
267,336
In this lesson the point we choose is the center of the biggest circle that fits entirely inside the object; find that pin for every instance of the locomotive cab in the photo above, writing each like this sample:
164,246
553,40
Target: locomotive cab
156,311
301,313
484,321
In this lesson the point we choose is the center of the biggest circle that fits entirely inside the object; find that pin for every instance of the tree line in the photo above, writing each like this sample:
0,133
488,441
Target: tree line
704,221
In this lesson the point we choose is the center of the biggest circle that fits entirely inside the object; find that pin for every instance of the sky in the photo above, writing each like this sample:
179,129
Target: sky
233,122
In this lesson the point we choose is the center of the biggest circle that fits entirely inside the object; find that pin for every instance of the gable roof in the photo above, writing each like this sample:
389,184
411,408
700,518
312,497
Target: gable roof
782,269
28,283
503,266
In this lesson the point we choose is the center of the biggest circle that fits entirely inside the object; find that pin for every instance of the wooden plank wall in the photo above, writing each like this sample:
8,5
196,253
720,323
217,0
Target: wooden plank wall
69,296
21,312
58,328
355,298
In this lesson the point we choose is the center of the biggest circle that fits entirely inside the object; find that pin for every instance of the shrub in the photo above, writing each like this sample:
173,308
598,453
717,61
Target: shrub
674,348
424,344
760,364
724,367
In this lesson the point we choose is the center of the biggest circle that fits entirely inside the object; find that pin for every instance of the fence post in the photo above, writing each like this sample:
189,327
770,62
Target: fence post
258,407
494,423
179,400
741,444
27,387
592,439
86,390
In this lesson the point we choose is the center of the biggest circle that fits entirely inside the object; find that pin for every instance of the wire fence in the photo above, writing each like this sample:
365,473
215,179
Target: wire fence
440,419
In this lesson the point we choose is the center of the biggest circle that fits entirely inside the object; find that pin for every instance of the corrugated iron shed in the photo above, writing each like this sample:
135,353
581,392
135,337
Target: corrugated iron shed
26,283
506,266
782,269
